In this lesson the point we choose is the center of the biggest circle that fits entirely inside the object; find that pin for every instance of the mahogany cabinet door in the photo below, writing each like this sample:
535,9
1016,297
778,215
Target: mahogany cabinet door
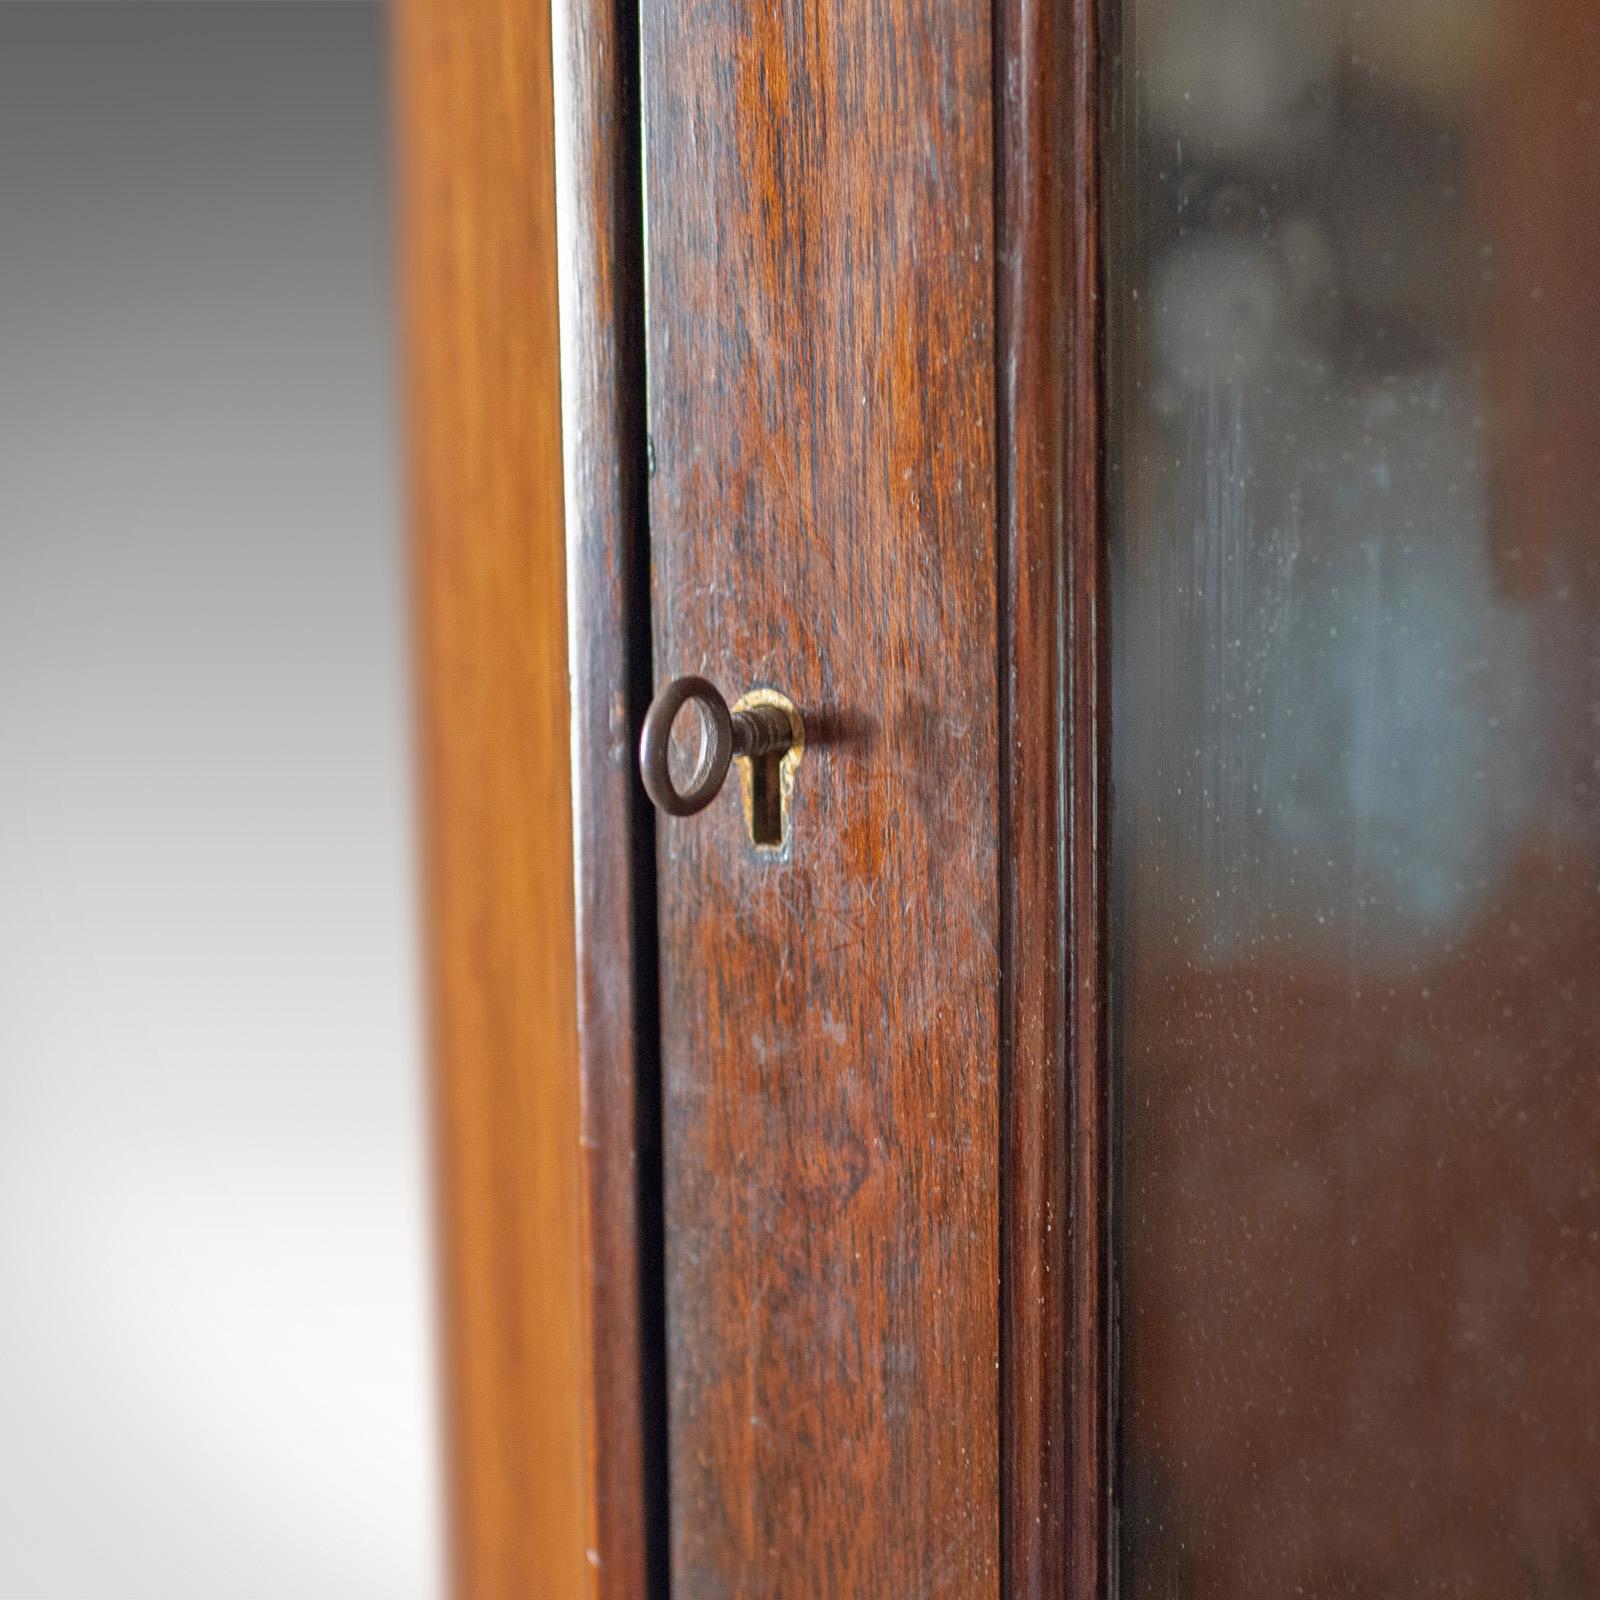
830,400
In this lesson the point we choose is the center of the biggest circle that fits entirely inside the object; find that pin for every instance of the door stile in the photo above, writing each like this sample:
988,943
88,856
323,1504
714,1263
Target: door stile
820,193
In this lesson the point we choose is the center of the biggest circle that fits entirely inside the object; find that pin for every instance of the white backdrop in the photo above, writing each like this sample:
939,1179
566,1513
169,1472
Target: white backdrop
215,1311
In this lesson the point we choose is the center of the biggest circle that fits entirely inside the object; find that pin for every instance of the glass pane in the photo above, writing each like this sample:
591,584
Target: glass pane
1355,474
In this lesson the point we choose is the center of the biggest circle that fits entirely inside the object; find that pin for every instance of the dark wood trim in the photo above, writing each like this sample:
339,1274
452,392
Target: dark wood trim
602,325
1031,329
1090,1573
1054,676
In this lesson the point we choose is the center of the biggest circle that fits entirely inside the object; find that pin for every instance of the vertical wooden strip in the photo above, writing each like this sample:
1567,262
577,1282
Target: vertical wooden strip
602,327
1055,675
820,206
1090,1264
1033,302
485,452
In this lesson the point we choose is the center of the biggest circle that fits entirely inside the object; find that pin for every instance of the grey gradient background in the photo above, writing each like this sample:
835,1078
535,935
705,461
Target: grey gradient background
216,1373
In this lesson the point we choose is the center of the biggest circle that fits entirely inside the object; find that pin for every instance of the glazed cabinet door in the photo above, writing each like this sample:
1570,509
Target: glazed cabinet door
1103,1100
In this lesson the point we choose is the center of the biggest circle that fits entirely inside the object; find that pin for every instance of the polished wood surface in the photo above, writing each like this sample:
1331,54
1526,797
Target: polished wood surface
602,312
486,488
1090,1294
845,506
820,217
1053,780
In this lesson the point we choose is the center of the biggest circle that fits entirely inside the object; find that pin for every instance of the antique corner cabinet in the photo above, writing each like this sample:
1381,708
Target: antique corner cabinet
1083,1083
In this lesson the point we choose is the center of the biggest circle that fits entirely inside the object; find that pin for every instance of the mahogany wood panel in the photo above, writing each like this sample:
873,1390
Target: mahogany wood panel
820,224
1054,783
602,319
486,470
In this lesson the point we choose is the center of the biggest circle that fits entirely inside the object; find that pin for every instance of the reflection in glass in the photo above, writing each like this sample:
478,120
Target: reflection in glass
1355,477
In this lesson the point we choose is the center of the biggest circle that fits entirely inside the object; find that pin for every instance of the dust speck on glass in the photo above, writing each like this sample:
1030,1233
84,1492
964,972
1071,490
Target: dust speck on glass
1355,484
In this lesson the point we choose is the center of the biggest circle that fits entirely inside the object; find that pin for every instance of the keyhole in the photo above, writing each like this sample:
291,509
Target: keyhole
766,801
766,779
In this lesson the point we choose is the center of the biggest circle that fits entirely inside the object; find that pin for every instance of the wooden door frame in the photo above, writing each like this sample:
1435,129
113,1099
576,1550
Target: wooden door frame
525,424
530,916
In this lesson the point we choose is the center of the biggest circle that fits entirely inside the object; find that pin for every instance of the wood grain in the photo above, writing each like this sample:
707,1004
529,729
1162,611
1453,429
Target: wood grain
1053,787
1033,310
602,320
820,208
486,490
